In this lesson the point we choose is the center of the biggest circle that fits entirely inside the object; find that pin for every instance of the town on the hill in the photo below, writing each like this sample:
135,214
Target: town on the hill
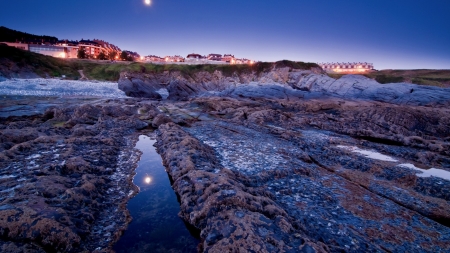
101,50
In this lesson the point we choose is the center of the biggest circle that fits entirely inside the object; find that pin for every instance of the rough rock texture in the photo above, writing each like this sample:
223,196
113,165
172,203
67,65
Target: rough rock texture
232,215
136,87
281,83
272,175
360,87
65,175
182,86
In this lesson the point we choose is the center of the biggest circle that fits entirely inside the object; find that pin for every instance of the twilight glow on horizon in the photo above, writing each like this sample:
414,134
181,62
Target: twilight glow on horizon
390,34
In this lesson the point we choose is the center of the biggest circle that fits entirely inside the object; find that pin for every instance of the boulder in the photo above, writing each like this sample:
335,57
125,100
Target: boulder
135,87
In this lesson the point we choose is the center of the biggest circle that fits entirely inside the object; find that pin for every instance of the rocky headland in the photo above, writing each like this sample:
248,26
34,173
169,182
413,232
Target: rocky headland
278,160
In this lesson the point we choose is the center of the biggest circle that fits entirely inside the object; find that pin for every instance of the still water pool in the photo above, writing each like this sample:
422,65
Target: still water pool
156,226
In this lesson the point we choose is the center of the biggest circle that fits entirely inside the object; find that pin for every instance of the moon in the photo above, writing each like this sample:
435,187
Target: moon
148,2
147,180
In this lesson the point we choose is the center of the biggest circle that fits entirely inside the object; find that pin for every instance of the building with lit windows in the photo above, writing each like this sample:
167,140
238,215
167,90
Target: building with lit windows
228,58
176,58
154,58
350,68
194,57
55,51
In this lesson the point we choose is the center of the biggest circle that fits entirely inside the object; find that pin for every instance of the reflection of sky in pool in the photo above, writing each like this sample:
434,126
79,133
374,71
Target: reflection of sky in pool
369,153
156,226
378,156
427,173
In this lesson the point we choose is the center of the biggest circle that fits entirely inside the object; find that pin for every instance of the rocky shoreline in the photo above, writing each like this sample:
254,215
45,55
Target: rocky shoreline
280,161
66,176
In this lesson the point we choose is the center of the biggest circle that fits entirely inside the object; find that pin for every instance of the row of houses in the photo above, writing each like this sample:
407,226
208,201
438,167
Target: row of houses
211,58
349,67
68,49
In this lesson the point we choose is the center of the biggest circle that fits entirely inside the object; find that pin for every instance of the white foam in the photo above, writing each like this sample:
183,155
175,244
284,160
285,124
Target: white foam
368,153
427,173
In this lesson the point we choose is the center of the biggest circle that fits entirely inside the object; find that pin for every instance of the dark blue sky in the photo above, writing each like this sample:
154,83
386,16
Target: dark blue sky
396,34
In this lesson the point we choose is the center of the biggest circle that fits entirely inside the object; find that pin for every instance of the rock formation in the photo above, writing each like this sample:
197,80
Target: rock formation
280,83
66,176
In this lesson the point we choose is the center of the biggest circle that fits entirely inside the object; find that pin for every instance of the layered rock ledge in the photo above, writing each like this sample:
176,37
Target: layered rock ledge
264,175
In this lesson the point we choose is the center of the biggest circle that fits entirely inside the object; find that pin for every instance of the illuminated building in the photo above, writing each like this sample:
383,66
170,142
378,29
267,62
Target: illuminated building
347,68
194,57
55,51
215,57
154,58
176,58
94,47
228,58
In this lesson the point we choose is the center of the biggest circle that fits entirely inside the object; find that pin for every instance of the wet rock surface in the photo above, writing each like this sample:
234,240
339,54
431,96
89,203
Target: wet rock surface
65,175
311,175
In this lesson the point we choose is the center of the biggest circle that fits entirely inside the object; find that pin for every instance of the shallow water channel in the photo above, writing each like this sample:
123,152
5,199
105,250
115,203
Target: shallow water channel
156,226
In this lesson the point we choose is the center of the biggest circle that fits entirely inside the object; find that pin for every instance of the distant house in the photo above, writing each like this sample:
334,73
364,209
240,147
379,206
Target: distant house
154,58
94,47
176,58
228,58
194,57
349,67
242,61
214,57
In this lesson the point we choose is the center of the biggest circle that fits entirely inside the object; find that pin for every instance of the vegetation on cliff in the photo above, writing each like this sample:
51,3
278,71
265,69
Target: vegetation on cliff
13,61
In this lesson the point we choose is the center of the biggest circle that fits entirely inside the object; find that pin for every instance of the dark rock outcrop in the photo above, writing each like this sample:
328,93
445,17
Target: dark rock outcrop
137,87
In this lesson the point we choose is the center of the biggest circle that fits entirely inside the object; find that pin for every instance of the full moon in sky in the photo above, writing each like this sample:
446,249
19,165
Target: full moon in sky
148,2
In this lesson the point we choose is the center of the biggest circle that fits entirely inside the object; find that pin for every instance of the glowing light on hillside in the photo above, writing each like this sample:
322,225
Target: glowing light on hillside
148,2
